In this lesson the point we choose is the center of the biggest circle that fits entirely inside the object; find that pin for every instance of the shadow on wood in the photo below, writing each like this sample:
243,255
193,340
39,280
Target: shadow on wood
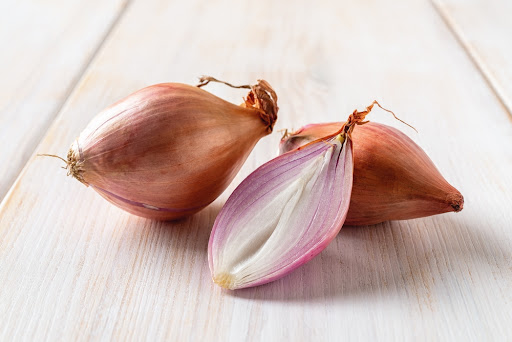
396,260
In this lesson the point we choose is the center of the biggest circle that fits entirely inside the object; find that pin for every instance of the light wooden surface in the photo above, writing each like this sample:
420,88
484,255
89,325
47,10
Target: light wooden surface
73,267
45,48
484,29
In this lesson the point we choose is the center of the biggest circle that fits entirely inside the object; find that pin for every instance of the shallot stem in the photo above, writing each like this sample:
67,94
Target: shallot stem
286,134
369,108
356,118
204,80
54,156
261,98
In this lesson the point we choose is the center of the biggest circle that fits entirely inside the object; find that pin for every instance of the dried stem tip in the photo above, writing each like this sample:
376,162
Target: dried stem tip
73,164
357,118
262,97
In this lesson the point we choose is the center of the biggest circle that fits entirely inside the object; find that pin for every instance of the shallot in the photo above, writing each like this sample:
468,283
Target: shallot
394,179
168,150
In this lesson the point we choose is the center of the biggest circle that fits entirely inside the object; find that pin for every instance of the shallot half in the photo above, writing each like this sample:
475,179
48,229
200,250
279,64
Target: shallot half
168,150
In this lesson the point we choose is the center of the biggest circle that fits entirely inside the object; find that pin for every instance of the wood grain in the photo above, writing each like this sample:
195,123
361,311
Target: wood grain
74,267
46,46
484,30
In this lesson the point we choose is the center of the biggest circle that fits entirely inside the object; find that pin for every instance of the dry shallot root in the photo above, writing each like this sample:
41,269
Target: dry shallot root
289,209
169,150
394,179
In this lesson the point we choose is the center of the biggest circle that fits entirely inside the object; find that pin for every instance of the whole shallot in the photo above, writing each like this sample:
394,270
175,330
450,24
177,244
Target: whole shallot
168,150
394,179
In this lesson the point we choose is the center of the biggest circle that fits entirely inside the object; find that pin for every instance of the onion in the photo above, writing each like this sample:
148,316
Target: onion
394,179
168,150
282,215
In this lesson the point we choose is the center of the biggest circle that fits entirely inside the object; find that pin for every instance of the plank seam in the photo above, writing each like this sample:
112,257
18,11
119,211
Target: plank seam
87,64
73,85
473,55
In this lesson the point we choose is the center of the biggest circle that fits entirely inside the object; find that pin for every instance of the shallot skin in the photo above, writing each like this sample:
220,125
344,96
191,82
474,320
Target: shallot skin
394,179
166,151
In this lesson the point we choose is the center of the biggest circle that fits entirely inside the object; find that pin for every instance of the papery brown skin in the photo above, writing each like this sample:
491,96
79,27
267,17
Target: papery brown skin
394,179
166,151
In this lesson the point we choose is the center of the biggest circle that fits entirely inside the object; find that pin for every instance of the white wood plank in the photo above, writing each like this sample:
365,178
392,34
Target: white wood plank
484,29
46,46
74,267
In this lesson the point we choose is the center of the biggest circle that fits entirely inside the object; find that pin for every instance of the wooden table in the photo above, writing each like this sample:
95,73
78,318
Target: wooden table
74,267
